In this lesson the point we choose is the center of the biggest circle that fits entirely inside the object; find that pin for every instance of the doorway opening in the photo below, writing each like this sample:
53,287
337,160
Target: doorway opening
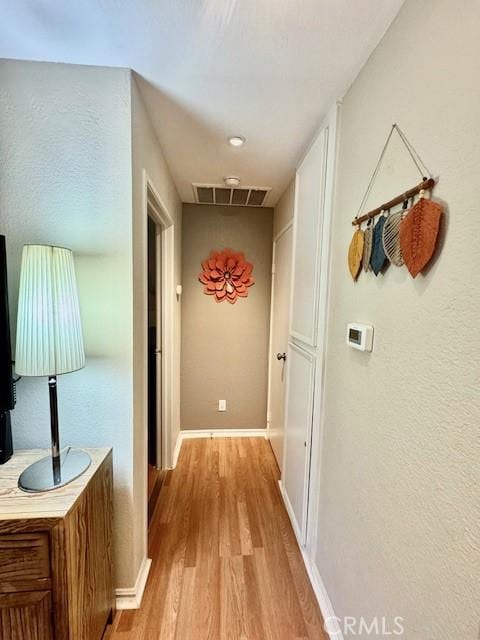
155,430
160,341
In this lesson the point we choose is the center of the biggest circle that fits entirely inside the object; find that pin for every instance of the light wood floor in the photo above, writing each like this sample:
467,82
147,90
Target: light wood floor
156,478
153,474
226,565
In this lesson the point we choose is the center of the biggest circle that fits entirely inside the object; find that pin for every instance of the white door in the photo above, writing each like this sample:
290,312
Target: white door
309,200
301,371
282,264
302,442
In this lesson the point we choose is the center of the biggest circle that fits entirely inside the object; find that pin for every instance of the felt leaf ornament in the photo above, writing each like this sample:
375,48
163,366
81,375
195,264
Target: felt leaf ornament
355,253
378,254
418,234
367,246
391,238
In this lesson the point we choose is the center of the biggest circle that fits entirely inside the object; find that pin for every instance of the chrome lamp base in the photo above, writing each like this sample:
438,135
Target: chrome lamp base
57,470
43,475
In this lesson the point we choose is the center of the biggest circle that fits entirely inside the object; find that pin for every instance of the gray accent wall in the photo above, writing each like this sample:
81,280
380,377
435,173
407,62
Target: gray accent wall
225,346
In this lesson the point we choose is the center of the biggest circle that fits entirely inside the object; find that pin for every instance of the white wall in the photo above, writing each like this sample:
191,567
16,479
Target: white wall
399,510
65,179
67,134
147,155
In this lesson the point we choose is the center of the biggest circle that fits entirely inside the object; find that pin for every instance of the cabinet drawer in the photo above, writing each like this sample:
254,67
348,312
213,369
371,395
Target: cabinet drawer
24,557
26,616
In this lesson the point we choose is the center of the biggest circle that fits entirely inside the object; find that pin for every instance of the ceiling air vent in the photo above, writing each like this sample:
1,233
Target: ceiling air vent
222,195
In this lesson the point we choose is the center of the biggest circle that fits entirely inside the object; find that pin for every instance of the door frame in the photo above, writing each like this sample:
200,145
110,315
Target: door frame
276,238
165,246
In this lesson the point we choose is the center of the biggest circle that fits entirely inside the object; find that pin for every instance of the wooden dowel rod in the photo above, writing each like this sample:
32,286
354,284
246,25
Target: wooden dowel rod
426,185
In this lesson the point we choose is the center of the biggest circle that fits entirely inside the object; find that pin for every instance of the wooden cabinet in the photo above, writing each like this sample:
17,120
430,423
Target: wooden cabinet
26,616
56,554
24,556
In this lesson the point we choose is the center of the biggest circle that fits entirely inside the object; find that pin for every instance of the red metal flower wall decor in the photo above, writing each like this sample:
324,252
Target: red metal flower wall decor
226,275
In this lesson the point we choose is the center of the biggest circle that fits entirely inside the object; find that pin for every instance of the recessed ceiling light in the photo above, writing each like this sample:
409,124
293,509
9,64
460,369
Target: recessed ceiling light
236,141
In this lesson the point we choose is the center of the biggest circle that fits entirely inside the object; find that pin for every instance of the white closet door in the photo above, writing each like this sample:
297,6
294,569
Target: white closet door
302,443
282,265
298,435
309,194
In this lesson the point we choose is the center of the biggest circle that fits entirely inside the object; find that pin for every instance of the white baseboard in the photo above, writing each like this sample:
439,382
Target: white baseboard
176,450
333,628
291,515
223,433
188,434
132,598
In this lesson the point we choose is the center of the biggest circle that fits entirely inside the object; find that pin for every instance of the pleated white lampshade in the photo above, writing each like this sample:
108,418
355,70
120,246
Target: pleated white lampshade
49,330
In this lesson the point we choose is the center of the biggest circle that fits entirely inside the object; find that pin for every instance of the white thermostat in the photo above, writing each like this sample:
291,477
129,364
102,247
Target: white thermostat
360,336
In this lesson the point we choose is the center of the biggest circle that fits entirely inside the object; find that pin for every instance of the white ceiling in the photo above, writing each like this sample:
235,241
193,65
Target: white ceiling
264,69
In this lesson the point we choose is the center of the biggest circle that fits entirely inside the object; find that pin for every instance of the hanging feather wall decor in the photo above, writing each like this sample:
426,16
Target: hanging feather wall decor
391,238
367,246
419,233
378,254
355,254
401,238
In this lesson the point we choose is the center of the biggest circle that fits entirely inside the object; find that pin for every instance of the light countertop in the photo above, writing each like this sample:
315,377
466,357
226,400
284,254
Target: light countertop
16,504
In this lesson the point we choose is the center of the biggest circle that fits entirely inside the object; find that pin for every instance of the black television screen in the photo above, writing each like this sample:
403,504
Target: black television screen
7,397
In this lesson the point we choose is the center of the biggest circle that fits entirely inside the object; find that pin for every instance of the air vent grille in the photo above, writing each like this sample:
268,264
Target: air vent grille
205,194
222,195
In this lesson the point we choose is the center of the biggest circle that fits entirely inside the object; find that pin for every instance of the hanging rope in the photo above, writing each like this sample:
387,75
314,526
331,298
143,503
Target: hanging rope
376,170
420,165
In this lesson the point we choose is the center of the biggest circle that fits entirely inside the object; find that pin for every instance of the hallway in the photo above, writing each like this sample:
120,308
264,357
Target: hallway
226,564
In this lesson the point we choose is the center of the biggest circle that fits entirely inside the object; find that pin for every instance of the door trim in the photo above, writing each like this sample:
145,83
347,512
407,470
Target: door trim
276,238
161,216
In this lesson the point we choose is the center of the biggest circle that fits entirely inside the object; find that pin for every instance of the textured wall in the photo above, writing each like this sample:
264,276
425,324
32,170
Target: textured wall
147,154
65,178
224,346
400,511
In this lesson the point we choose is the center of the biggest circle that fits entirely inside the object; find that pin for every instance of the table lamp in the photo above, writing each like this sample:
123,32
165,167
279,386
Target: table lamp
50,343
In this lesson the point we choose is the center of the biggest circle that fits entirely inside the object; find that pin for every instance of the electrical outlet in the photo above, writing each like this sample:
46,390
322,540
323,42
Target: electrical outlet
222,405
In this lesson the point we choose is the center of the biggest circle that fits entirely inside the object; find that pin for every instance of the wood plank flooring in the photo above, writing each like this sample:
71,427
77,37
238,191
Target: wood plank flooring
156,478
226,565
